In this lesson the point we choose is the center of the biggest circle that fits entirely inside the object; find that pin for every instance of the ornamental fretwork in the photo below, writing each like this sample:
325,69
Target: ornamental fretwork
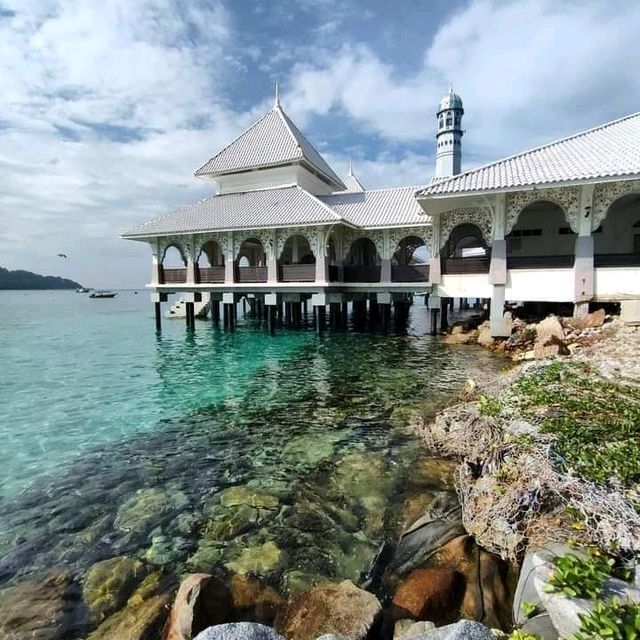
183,244
397,235
311,234
265,236
480,217
376,236
604,195
566,198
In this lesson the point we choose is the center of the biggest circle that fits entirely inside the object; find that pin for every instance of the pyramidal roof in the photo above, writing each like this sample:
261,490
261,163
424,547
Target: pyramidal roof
611,150
272,140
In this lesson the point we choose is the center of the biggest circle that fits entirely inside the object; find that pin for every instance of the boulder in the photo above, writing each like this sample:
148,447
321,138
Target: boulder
410,629
552,347
434,473
109,583
594,319
239,631
343,609
44,610
463,630
484,337
143,509
255,601
202,600
547,329
144,615
457,337
431,593
540,626
236,496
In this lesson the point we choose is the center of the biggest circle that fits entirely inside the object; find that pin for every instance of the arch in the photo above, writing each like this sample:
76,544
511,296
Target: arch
605,195
211,253
617,239
251,253
297,249
541,237
466,250
566,198
363,252
173,256
410,250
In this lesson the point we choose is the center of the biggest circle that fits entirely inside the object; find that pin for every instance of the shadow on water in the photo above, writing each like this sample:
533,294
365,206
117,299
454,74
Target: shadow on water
311,442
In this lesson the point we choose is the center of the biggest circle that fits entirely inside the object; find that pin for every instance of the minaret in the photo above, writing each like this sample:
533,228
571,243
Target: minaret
449,136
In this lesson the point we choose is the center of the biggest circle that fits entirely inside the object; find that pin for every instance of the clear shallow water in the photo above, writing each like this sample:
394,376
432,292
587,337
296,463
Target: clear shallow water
118,441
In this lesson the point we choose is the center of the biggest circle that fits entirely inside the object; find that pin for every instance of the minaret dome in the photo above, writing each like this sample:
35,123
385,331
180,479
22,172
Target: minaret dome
449,136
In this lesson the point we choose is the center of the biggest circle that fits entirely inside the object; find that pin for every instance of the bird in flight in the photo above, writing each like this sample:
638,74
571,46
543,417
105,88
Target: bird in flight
61,255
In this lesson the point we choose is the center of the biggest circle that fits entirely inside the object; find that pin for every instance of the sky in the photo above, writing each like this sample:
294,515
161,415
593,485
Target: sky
107,107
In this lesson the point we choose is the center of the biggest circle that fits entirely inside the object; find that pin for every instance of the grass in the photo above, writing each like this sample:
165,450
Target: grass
596,422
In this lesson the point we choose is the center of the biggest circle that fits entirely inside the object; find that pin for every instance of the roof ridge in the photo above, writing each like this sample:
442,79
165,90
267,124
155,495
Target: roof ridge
343,193
246,130
323,204
533,149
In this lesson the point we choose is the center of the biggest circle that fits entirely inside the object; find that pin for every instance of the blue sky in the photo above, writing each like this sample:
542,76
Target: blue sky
107,107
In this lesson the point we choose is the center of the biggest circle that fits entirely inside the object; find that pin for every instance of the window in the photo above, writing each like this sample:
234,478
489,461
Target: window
457,119
564,231
441,122
449,120
520,233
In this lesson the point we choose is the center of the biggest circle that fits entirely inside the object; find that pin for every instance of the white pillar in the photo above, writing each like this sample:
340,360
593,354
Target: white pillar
435,266
583,267
156,265
385,266
498,270
191,261
229,260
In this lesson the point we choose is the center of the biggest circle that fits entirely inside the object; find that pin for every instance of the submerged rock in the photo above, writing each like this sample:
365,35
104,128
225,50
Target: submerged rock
45,610
343,609
144,508
255,601
236,496
202,600
165,550
109,583
239,631
259,560
206,557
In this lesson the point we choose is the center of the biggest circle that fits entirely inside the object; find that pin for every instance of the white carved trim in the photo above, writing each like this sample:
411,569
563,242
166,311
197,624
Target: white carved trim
397,235
480,217
181,243
311,234
605,195
567,198
351,235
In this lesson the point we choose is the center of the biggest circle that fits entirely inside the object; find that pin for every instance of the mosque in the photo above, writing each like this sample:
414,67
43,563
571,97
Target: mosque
558,223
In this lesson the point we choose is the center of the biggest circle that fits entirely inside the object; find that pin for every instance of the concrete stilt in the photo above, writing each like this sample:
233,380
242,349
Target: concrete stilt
433,329
345,314
158,309
444,314
215,311
385,314
321,313
271,318
244,306
190,315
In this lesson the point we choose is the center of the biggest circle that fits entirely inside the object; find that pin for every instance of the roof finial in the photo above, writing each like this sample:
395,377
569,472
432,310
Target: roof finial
450,87
277,100
350,166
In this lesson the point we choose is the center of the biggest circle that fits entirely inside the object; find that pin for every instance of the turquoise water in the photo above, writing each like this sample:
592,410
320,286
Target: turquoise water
117,440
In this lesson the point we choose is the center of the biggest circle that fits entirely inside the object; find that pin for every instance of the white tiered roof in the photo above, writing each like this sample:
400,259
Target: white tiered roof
273,140
611,150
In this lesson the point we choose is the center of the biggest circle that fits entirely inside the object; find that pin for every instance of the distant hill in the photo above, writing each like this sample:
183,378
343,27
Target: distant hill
28,280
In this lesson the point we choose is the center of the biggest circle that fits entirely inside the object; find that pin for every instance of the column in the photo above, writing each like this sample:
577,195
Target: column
191,262
229,260
434,306
435,265
498,270
156,266
385,265
583,267
322,262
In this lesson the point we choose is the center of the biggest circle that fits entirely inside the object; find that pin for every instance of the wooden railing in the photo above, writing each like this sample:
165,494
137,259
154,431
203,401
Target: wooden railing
540,262
353,273
616,260
409,273
251,274
210,275
297,272
466,265
174,276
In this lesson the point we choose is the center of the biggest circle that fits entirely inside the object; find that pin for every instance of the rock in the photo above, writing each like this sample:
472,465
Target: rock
206,557
144,508
441,523
109,583
255,601
239,631
594,319
202,600
231,523
143,616
547,329
463,630
296,581
236,496
457,338
433,593
45,610
409,629
257,560
522,428
541,626
457,329
434,473
484,337
344,610
165,549
553,347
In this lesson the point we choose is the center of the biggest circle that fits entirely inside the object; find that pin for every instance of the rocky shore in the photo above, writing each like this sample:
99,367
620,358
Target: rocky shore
469,550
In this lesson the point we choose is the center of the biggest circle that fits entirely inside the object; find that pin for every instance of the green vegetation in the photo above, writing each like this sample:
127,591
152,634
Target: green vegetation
596,422
517,634
613,619
488,406
528,609
578,577
28,280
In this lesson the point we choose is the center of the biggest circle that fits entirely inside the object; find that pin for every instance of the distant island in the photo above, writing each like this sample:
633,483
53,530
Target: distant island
27,280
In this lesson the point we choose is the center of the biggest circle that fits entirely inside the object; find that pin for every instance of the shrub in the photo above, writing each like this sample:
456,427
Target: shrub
610,620
580,577
518,634
488,406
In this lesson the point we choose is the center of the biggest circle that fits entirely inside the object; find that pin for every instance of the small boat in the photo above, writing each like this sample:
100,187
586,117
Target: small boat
82,290
103,294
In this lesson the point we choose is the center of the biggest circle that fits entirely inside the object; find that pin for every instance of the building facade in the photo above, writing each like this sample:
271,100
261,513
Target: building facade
560,223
